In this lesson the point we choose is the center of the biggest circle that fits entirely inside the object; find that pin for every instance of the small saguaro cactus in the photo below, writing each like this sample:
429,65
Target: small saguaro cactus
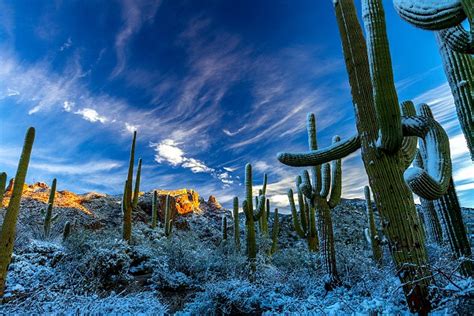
3,182
235,215
224,228
49,211
136,192
7,235
168,216
251,216
263,220
375,240
275,232
154,209
66,231
380,132
450,210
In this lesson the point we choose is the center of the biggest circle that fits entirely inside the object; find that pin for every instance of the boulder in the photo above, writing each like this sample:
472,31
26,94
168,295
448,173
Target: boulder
213,204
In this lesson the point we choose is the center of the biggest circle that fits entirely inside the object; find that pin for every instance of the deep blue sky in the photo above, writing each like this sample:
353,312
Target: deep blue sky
209,85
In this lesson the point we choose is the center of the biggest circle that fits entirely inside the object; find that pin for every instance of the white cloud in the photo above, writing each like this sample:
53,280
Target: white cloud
66,45
91,115
230,169
168,151
68,105
131,128
229,133
196,166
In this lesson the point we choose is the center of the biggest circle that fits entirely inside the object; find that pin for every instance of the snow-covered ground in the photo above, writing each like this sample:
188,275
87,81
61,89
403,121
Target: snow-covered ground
195,272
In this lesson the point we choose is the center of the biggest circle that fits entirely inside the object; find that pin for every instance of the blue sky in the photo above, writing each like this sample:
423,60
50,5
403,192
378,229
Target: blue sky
209,85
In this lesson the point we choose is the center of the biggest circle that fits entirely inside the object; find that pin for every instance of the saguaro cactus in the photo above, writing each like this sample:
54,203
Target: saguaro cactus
7,235
66,231
127,195
154,209
49,211
3,182
136,192
168,216
375,240
450,210
251,216
376,107
224,228
235,215
455,46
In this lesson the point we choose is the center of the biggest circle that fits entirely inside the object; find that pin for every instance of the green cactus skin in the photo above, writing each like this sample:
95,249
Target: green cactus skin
136,192
263,221
127,206
3,182
49,210
375,240
450,210
275,232
7,235
459,70
154,210
235,213
408,149
294,215
224,228
384,168
66,231
428,211
168,217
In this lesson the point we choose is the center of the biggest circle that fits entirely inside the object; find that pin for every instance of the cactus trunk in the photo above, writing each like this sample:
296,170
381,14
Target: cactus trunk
3,182
275,232
49,210
127,206
154,210
235,213
168,217
136,192
7,236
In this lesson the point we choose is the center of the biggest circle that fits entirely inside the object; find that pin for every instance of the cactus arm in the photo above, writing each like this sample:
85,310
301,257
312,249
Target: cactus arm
294,215
458,39
130,164
235,213
3,182
313,145
7,235
408,149
136,192
318,157
301,205
245,207
305,186
260,209
264,187
385,95
431,14
431,182
275,232
336,180
326,180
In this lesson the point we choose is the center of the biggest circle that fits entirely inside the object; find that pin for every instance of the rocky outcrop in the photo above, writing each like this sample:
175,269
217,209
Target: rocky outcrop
213,204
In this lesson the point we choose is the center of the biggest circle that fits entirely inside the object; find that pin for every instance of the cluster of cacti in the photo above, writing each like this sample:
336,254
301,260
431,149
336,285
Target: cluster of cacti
456,46
129,200
375,240
7,235
48,218
381,130
326,181
447,206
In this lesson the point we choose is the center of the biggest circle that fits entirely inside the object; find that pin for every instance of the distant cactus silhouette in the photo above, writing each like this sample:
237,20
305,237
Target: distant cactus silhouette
7,235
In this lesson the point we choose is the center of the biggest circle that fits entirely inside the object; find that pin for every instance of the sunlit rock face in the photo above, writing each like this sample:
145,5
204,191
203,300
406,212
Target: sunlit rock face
39,191
212,203
183,201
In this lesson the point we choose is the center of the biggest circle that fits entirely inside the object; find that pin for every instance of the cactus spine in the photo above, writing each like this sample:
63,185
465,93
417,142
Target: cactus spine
450,210
7,235
154,209
49,211
375,240
66,231
235,213
127,195
168,217
3,182
275,232
383,164
136,192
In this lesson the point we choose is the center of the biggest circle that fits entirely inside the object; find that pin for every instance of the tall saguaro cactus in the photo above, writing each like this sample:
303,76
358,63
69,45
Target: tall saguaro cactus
235,216
7,235
381,156
136,191
154,209
49,211
455,45
375,240
168,217
450,210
